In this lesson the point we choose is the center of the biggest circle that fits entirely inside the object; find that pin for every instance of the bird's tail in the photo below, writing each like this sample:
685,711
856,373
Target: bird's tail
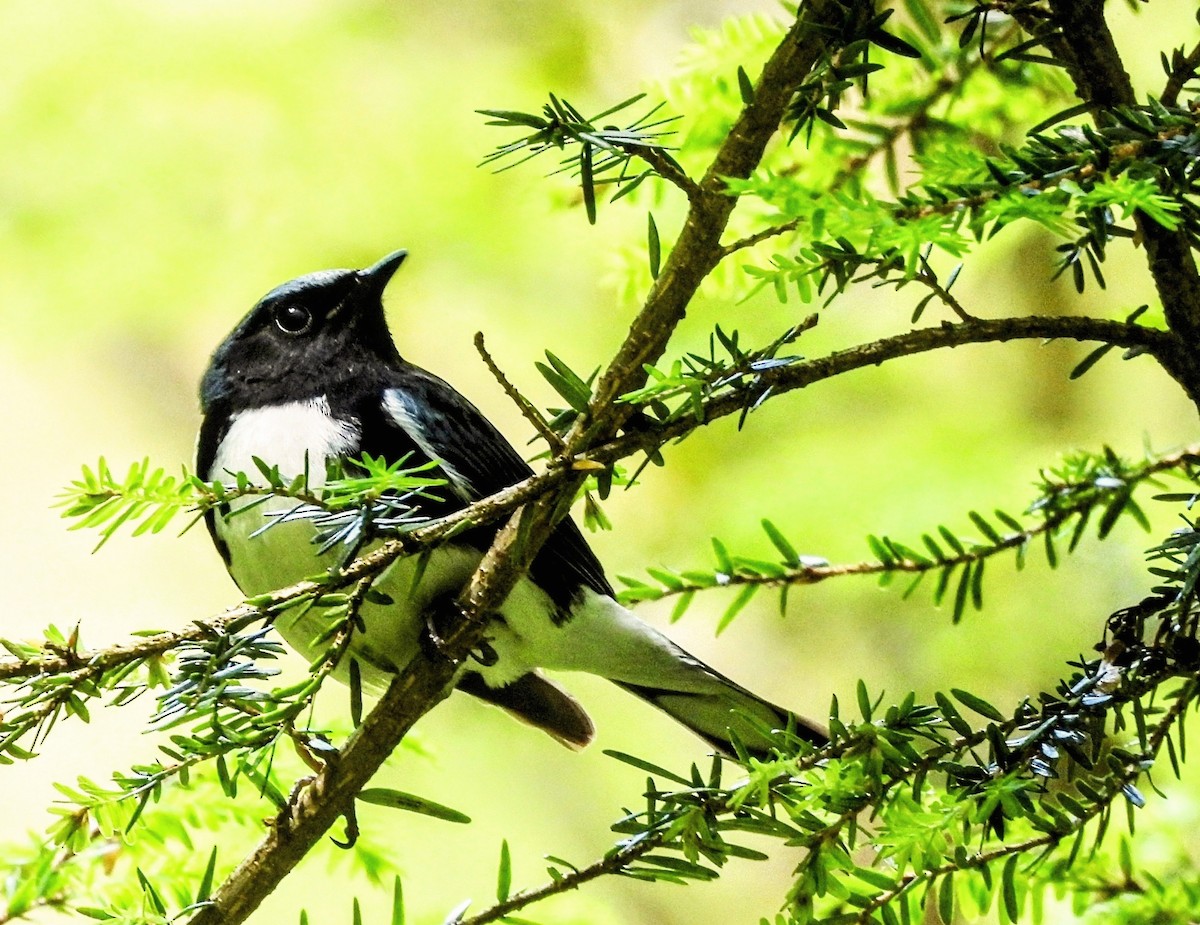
608,640
717,709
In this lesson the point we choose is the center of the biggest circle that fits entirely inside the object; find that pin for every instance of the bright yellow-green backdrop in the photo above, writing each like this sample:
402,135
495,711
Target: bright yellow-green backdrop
162,164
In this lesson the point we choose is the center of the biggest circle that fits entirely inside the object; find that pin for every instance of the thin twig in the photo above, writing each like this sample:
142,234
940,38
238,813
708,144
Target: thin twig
612,863
813,574
530,413
668,168
807,372
1181,73
929,280
759,236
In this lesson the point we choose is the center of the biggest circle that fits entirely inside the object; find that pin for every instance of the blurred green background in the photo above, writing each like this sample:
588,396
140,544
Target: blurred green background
165,163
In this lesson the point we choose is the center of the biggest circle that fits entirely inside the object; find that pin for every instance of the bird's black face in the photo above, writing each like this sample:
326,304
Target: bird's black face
308,337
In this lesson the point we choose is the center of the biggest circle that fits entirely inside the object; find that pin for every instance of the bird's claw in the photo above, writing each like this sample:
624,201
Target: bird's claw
352,831
441,617
485,654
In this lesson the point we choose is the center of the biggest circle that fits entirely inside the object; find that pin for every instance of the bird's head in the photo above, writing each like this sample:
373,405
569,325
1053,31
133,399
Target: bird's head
304,337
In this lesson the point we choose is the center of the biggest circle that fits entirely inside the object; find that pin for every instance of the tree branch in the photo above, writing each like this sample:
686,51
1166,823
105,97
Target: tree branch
1182,70
528,411
783,574
807,372
612,863
59,661
698,249
1085,45
759,236
668,168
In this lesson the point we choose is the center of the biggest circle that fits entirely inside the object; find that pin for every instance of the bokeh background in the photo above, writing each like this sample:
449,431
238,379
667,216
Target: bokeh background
165,163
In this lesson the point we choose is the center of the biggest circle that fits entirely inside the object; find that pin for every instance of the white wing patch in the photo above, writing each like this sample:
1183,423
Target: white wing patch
289,435
398,408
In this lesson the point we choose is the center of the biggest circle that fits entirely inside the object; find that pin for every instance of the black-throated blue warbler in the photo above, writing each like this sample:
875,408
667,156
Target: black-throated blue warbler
311,375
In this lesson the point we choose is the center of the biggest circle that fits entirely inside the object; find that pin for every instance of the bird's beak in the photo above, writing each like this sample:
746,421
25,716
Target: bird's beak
374,279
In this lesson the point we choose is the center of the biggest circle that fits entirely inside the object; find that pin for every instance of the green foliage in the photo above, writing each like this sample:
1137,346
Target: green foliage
951,805
917,132
605,153
107,860
707,86
372,498
1083,488
574,390
696,380
1078,183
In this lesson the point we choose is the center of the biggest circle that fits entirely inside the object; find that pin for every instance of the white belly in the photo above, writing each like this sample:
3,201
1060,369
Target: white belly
284,554
299,437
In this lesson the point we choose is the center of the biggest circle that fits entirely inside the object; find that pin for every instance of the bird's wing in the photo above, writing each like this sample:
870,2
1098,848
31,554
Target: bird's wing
421,409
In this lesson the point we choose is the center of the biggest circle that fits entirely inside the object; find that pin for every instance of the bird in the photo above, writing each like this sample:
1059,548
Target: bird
312,375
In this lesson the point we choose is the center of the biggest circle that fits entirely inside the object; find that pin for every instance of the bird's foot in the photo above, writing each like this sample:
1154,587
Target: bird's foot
485,654
442,617
352,831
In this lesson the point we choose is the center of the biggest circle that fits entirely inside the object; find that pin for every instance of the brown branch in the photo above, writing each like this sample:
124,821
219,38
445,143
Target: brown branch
698,248
668,168
1182,70
1085,45
808,372
612,863
423,683
927,278
52,661
528,411
90,664
759,236
617,859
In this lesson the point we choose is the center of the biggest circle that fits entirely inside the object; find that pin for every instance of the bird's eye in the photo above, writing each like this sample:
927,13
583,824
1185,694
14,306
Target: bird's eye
293,319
